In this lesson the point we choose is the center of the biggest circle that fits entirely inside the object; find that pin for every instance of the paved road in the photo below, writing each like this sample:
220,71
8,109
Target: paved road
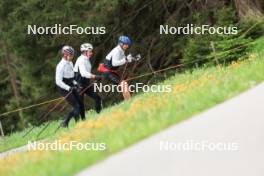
14,151
227,140
21,149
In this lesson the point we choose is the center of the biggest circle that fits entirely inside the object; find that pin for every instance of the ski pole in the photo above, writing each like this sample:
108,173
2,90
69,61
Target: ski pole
82,92
51,110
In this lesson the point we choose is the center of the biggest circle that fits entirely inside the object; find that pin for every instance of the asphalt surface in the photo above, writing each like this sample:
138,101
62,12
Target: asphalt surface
227,140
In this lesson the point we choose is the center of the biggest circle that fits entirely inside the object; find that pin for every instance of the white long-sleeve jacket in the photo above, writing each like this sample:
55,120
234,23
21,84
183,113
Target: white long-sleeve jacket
83,66
117,55
64,70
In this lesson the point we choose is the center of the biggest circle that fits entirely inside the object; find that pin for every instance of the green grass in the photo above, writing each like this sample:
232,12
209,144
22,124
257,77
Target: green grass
131,121
19,139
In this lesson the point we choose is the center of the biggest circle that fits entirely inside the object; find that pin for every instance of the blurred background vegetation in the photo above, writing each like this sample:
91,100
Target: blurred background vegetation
27,62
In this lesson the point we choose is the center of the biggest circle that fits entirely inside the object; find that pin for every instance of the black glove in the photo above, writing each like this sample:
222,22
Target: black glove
76,76
98,77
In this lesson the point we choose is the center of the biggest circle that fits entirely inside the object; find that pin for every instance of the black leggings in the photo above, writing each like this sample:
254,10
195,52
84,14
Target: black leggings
77,105
92,94
112,77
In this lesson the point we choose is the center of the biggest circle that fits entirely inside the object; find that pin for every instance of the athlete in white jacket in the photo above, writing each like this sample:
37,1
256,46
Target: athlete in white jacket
83,75
114,60
67,85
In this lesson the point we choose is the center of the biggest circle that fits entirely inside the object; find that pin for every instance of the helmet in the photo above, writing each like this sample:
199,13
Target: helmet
124,40
86,47
68,49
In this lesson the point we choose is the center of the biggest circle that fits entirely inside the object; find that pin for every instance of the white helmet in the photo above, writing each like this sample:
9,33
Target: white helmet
86,47
68,49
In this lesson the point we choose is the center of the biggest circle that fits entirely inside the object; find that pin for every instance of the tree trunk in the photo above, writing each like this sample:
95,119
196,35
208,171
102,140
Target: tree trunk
13,78
258,5
249,9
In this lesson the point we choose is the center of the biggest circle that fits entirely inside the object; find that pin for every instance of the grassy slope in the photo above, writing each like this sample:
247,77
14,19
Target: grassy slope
17,139
129,122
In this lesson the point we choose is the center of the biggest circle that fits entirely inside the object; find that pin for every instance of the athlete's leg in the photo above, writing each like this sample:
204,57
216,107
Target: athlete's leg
115,79
125,89
75,112
97,99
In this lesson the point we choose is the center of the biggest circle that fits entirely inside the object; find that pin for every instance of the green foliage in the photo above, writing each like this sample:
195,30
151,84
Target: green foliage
36,56
225,48
117,133
197,50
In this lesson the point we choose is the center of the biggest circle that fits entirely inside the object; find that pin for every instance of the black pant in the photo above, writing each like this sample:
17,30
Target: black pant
76,102
112,77
92,94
